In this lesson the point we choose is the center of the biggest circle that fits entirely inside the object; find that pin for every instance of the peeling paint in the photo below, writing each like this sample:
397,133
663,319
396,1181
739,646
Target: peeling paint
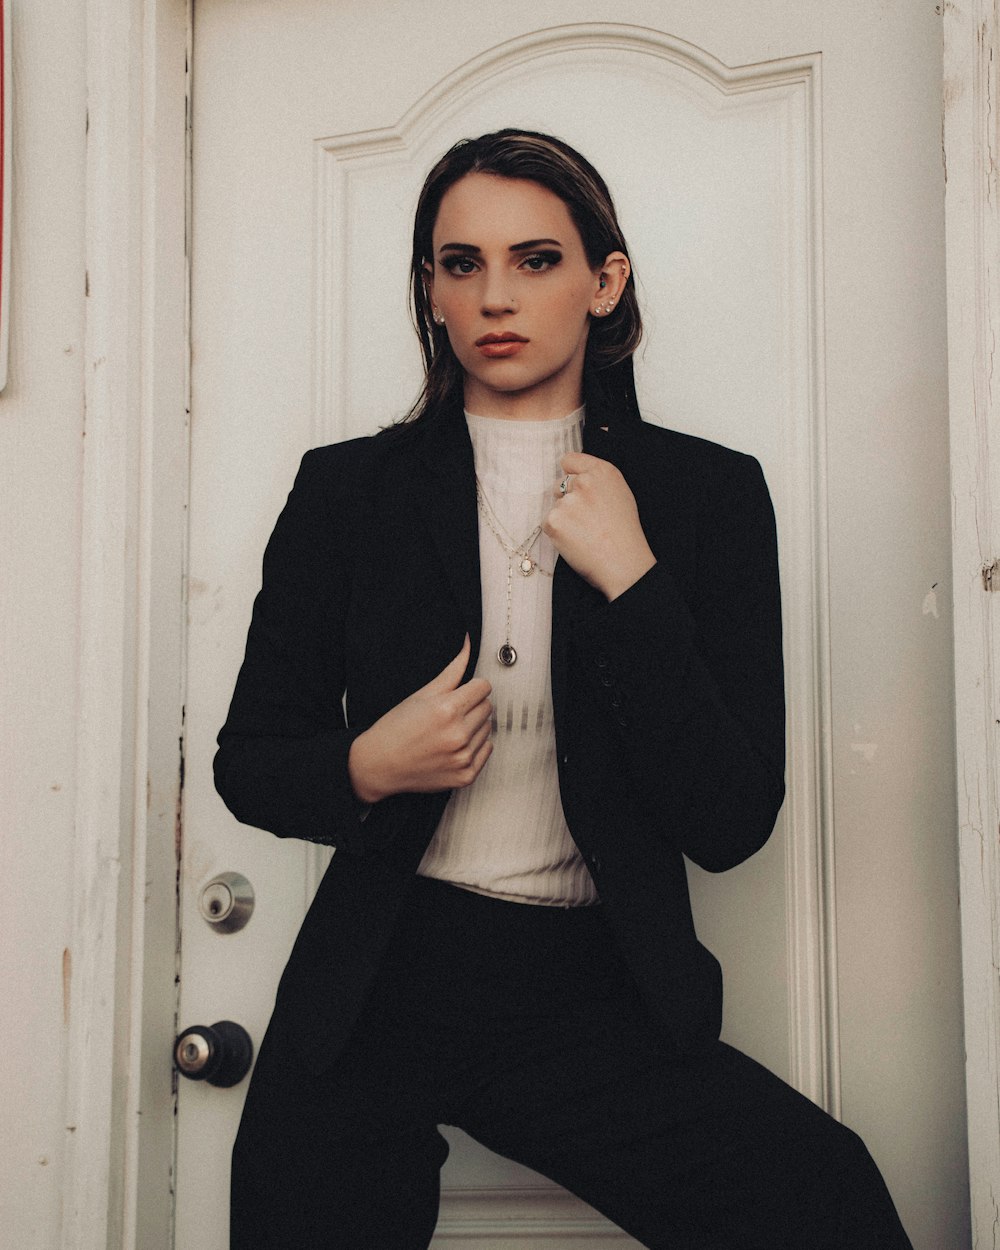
991,575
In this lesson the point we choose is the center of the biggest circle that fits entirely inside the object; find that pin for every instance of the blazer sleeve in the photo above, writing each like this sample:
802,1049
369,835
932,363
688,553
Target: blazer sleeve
282,758
692,679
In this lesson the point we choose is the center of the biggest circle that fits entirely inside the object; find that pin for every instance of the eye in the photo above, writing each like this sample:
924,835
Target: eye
459,264
538,262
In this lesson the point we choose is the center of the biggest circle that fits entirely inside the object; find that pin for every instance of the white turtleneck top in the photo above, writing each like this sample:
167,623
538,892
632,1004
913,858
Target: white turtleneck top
505,834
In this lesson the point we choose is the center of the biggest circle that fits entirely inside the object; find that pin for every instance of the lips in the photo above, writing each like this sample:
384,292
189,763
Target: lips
498,346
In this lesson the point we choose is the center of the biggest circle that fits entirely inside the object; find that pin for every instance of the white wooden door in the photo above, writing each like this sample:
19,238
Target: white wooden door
777,169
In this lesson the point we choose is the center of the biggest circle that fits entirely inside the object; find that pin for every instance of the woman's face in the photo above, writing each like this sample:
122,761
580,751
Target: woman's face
515,288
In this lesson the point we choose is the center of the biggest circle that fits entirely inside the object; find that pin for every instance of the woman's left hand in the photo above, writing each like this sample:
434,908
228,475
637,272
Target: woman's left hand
595,525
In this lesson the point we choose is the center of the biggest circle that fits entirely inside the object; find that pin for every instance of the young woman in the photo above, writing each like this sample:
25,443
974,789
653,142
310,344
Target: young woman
558,633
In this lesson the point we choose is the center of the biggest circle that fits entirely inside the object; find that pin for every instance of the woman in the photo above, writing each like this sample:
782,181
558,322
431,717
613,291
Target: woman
558,632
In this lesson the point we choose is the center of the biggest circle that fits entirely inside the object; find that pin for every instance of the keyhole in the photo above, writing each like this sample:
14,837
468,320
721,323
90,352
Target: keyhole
190,1052
217,901
227,902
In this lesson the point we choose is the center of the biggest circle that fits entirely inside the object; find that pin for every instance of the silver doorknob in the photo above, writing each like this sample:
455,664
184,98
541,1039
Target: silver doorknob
220,1054
226,902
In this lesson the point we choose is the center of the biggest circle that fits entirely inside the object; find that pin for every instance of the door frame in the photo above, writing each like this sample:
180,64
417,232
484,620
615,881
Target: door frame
971,152
118,1174
120,965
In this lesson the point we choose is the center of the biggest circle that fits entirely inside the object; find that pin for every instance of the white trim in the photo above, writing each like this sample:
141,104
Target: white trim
813,1007
98,1053
131,626
971,85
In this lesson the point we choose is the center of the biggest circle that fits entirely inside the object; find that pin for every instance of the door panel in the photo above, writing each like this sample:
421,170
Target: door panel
779,263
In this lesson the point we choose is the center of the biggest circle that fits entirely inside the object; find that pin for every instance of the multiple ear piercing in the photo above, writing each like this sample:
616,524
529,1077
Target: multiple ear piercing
607,306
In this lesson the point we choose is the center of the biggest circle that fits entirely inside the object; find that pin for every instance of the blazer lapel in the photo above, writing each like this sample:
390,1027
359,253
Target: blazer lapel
605,433
444,493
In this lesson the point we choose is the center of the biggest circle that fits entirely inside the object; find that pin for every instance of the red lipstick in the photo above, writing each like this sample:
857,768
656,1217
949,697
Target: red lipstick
498,346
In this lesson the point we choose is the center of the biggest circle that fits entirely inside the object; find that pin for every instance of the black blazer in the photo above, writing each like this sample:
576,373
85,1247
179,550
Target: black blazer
668,702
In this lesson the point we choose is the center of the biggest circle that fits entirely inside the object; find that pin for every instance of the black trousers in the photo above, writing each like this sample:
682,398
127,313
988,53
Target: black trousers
520,1025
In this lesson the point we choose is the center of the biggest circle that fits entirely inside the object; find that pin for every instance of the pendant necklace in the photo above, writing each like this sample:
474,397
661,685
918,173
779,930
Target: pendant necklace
526,564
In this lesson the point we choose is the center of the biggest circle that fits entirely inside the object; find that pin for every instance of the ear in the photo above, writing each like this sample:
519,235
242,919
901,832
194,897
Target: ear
610,282
429,288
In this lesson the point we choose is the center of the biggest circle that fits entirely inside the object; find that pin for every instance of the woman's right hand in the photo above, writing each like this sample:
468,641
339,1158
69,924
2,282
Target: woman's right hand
437,739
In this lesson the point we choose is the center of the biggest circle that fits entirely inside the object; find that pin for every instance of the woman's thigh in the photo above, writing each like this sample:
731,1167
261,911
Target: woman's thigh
710,1152
332,1161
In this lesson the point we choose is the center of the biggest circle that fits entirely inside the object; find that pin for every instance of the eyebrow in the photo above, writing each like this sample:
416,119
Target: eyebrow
514,247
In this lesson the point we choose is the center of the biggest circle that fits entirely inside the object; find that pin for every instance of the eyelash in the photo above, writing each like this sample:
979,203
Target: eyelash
549,261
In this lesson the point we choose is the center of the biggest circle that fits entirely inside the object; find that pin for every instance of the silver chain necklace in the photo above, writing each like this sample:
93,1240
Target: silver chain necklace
526,564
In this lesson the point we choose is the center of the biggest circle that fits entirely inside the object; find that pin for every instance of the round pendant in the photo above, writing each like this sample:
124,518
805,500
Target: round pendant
507,655
527,566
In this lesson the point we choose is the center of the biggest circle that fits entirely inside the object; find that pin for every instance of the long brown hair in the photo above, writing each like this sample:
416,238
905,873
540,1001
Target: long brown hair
553,164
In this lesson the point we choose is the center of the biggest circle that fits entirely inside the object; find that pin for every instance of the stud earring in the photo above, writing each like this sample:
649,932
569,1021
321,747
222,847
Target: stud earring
438,318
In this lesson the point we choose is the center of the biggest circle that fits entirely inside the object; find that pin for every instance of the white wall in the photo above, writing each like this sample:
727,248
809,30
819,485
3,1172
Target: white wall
41,435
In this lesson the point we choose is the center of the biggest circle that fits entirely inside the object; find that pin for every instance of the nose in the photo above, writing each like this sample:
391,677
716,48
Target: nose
497,299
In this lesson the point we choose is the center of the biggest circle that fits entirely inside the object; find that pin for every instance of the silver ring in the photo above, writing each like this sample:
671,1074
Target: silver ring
564,484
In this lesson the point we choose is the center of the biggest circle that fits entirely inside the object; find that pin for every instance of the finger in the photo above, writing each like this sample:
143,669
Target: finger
579,462
475,692
561,487
451,675
477,688
483,754
475,766
481,735
478,716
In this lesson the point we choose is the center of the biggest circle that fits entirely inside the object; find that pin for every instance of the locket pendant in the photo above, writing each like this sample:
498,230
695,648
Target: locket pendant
507,655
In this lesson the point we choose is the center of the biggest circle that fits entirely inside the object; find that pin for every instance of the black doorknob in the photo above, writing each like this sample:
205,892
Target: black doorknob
220,1054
